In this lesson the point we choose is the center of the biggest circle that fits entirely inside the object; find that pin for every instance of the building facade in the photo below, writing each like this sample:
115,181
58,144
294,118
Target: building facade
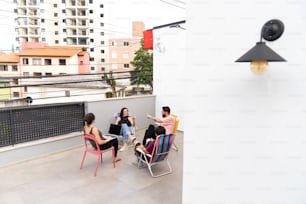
9,67
64,22
122,51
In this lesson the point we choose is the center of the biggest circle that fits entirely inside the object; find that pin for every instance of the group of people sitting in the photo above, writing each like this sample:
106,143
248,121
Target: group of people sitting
165,125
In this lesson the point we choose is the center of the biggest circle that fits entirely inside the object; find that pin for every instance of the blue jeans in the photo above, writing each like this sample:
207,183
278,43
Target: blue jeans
125,130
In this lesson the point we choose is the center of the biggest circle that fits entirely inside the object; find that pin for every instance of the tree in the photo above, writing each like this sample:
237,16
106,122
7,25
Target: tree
143,63
111,81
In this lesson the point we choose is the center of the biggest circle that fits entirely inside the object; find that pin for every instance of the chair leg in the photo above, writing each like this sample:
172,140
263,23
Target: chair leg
114,158
97,164
83,159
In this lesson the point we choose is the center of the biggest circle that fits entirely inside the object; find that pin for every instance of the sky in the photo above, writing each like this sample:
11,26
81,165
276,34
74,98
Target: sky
123,12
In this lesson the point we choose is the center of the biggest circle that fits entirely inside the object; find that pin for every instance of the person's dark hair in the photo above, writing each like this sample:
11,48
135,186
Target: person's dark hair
166,109
159,130
89,117
121,112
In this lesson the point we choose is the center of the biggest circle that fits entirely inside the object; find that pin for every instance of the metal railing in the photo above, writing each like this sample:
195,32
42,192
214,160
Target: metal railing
24,124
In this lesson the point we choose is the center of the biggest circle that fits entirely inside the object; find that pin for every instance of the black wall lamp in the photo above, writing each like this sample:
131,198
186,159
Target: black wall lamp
261,54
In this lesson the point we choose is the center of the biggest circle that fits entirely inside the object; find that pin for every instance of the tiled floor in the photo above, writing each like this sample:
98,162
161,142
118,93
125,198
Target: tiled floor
56,178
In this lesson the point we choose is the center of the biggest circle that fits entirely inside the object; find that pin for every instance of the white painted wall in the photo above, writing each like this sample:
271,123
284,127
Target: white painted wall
169,62
245,134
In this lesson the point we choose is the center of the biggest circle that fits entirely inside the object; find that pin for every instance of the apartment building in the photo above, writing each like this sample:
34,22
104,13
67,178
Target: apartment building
35,61
122,50
64,22
9,67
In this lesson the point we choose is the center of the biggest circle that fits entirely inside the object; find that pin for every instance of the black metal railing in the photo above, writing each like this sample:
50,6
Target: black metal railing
24,124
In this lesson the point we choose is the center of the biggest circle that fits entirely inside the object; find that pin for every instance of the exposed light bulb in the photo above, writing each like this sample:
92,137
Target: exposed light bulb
259,67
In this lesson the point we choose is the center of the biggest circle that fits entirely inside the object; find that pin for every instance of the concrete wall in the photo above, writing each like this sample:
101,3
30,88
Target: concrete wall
245,138
138,107
104,111
169,62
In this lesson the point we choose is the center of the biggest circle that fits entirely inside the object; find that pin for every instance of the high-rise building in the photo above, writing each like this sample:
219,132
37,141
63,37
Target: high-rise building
64,22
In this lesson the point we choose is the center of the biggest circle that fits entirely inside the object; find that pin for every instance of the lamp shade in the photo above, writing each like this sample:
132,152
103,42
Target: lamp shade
261,52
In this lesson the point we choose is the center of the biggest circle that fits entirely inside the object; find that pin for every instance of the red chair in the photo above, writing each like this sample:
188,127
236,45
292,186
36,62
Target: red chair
92,146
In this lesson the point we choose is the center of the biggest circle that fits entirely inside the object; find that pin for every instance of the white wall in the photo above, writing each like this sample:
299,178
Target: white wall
245,138
168,69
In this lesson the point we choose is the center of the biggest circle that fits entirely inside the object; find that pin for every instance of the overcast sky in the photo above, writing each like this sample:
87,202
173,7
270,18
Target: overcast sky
123,12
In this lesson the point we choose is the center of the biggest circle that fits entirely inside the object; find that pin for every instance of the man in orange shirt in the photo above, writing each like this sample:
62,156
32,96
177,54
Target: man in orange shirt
167,121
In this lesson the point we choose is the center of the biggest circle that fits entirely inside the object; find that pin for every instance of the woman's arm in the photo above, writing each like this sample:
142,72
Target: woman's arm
131,119
95,132
117,120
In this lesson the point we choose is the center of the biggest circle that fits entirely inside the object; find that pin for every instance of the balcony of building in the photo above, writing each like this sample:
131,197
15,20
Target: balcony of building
47,170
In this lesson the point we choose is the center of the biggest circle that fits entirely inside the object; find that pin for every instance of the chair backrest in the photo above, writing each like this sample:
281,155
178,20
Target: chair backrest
161,147
92,140
176,124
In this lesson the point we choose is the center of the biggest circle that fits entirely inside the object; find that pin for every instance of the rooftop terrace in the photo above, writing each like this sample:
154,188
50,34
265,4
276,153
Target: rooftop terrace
56,178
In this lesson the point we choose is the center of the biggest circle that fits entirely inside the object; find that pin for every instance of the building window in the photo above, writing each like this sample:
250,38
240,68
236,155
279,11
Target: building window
102,60
55,23
56,41
101,5
43,30
25,89
126,55
126,65
102,51
102,33
42,20
91,59
92,68
101,15
15,81
37,74
36,61
15,94
25,61
81,62
102,42
62,62
90,11
48,74
64,20
125,43
90,21
54,5
114,54
64,30
101,24
3,68
63,11
48,62
26,74
14,68
55,14
114,44
91,31
63,1
56,32
91,40
90,1
102,69
92,49
43,39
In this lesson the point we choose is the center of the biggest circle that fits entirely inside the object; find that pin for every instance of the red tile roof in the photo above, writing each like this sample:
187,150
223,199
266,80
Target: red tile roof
51,51
9,58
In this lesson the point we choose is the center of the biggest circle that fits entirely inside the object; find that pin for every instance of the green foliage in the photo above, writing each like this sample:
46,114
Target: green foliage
143,63
111,81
